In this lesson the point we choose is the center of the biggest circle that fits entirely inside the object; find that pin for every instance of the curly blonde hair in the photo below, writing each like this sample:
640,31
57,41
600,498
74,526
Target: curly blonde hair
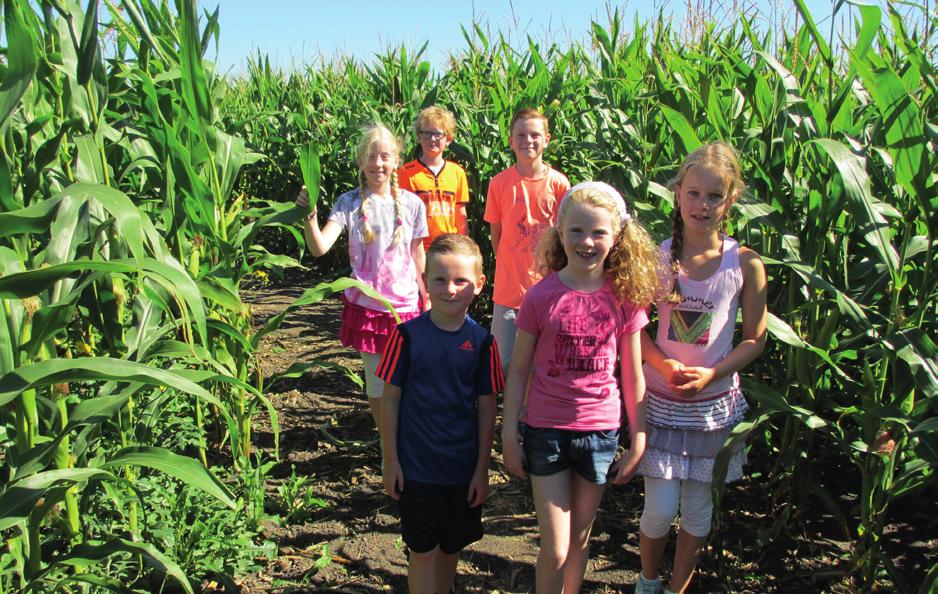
723,160
436,116
633,261
370,137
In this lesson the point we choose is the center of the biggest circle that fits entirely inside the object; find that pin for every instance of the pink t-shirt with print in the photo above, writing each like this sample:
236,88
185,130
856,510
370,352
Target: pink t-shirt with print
574,385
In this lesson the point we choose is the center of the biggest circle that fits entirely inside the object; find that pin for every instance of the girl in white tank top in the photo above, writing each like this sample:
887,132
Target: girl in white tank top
691,368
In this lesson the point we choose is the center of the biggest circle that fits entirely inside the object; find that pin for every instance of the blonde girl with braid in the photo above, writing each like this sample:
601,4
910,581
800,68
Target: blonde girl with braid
691,368
386,226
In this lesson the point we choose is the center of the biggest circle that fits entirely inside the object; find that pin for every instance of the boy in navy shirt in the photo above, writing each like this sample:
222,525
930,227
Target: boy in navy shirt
441,372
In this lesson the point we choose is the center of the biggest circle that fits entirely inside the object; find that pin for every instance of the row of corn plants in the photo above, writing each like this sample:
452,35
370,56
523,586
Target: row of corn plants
837,136
128,373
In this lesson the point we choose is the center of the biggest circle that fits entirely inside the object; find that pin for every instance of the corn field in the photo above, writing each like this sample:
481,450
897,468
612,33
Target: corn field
139,190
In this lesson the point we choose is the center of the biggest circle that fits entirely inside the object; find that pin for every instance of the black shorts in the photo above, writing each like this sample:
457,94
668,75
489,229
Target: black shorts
434,515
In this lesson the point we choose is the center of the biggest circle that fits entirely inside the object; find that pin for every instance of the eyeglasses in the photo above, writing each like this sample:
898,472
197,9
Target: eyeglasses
432,134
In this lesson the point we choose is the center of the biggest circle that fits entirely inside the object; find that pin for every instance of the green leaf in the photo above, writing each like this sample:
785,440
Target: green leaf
89,167
782,331
317,294
194,81
770,400
929,425
53,371
927,447
309,166
20,497
20,58
87,554
871,19
88,45
819,41
187,470
857,187
733,443
682,127
298,369
918,350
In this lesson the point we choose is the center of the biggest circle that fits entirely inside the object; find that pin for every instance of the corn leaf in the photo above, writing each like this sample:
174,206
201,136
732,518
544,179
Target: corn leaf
309,166
185,469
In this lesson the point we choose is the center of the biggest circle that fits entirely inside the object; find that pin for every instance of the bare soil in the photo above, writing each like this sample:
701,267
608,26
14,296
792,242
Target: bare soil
326,433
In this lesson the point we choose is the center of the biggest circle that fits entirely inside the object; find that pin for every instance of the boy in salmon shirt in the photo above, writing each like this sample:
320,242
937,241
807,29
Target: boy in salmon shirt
441,184
522,201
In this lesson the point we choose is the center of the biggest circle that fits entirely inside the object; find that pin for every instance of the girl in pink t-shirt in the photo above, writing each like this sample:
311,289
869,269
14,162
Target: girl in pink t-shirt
601,272
386,227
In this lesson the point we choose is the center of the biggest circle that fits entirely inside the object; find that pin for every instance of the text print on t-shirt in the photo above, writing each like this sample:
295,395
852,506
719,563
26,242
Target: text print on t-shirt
439,202
578,344
691,321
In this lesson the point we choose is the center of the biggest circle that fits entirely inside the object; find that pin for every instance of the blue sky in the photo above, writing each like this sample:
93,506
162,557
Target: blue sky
300,31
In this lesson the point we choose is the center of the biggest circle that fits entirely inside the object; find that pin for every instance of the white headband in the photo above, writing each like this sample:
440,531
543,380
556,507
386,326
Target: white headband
605,189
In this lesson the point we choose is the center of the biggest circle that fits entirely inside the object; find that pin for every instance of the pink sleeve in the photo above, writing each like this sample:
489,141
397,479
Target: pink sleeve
527,315
636,318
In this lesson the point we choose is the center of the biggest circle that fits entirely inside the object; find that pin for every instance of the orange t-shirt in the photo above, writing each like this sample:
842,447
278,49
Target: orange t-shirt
524,207
440,192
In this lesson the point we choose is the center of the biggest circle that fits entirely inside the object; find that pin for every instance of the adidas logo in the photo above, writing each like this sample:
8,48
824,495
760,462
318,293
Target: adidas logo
466,346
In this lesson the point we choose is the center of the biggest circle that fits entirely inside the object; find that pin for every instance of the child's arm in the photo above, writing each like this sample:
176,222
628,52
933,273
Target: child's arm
391,467
419,256
669,369
479,486
514,396
496,231
752,302
318,240
633,396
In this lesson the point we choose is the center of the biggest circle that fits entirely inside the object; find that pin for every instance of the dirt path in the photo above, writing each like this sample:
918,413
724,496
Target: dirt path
358,528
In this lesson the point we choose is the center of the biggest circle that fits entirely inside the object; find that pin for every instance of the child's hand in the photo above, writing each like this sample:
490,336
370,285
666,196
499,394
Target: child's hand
672,372
393,479
623,469
302,199
691,380
479,487
514,456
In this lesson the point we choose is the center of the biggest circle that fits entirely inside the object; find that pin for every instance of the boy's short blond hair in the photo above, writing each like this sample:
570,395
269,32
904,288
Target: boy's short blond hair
438,117
454,243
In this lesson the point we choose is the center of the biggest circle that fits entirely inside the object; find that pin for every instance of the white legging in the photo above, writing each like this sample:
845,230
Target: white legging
374,386
662,500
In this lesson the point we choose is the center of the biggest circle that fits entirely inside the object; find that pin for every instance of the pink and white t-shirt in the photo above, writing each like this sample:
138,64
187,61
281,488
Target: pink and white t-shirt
385,265
574,385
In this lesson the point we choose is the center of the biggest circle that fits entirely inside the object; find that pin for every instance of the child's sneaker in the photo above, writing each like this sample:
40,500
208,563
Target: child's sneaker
647,586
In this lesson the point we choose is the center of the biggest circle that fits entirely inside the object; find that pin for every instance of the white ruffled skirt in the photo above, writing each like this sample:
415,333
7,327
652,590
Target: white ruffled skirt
685,436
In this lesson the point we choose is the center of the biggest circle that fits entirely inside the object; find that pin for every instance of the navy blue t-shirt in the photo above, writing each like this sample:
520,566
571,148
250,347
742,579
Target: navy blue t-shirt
441,375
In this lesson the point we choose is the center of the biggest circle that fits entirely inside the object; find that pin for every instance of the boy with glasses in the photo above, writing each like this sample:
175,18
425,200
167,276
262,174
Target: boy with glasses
441,184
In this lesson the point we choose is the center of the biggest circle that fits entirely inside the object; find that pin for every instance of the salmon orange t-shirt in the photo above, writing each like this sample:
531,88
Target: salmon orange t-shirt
524,207
441,192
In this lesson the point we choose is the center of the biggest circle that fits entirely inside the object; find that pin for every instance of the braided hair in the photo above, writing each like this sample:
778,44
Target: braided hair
370,138
721,158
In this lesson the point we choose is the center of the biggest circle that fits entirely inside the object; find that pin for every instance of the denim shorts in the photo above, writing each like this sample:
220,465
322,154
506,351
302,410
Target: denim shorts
588,453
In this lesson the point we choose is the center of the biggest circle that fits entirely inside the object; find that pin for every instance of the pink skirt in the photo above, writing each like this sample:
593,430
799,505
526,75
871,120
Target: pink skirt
367,330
